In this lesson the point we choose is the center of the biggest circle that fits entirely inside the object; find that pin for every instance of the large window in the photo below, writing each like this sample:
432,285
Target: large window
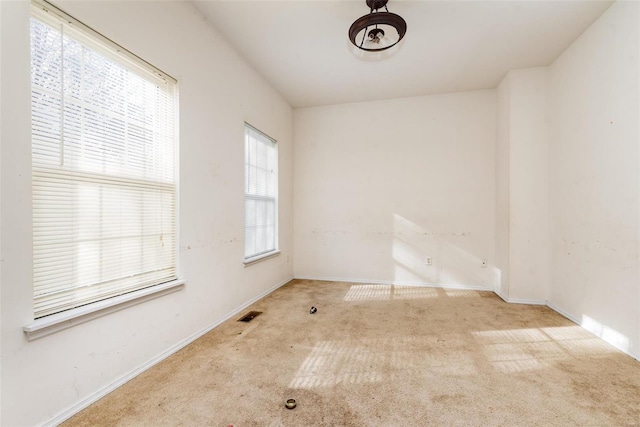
260,194
104,177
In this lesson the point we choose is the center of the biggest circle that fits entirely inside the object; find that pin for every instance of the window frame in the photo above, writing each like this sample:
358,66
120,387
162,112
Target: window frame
67,317
260,256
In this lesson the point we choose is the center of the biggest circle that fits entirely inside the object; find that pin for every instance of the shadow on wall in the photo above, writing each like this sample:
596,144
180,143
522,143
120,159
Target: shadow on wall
450,264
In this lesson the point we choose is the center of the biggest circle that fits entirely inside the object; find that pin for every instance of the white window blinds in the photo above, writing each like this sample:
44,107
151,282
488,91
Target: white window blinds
103,166
260,194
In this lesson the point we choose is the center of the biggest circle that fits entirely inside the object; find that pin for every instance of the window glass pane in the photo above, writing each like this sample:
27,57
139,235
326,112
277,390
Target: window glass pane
250,213
270,215
270,236
261,213
46,58
260,193
261,244
103,150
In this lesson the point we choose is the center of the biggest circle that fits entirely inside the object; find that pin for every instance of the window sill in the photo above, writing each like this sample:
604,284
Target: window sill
251,261
67,319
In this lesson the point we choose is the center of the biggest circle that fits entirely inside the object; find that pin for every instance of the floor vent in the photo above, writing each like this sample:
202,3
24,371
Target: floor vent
250,316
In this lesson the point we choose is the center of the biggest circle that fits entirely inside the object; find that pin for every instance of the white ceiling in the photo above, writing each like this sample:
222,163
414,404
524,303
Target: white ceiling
301,47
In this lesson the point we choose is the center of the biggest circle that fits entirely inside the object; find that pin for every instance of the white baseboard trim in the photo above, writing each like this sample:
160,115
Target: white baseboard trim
396,283
526,301
504,298
65,414
563,313
593,331
519,300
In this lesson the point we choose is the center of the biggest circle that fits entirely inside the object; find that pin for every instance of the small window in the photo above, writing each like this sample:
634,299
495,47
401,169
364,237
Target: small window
103,166
260,194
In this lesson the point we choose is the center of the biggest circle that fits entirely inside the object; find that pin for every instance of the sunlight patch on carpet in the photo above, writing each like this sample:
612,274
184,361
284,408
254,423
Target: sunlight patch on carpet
388,292
332,362
517,350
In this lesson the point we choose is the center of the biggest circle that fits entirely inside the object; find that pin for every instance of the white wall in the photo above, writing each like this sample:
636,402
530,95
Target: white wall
594,168
522,187
381,185
218,92
1,256
503,180
528,152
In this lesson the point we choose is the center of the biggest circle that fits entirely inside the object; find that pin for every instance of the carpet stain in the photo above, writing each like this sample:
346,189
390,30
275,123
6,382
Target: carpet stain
456,399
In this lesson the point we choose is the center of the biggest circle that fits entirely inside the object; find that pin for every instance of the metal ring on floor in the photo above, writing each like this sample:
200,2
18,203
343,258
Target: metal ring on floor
290,403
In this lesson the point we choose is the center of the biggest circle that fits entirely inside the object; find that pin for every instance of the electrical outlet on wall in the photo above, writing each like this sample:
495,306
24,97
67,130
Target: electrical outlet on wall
427,260
483,263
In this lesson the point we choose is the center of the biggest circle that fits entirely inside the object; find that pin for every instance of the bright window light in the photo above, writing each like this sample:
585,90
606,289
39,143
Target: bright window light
103,166
260,194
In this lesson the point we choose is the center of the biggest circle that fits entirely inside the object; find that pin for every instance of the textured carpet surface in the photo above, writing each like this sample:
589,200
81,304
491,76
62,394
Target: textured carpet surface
375,355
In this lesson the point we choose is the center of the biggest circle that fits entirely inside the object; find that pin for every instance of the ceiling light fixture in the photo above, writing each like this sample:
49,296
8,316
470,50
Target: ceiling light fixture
368,31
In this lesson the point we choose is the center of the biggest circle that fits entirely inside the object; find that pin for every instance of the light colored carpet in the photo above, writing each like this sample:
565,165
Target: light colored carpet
377,355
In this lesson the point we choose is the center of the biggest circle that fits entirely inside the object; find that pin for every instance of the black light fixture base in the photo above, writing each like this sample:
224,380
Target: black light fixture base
376,4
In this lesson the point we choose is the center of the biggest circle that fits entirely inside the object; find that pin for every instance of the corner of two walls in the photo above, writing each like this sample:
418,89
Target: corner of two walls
1,257
503,98
522,140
